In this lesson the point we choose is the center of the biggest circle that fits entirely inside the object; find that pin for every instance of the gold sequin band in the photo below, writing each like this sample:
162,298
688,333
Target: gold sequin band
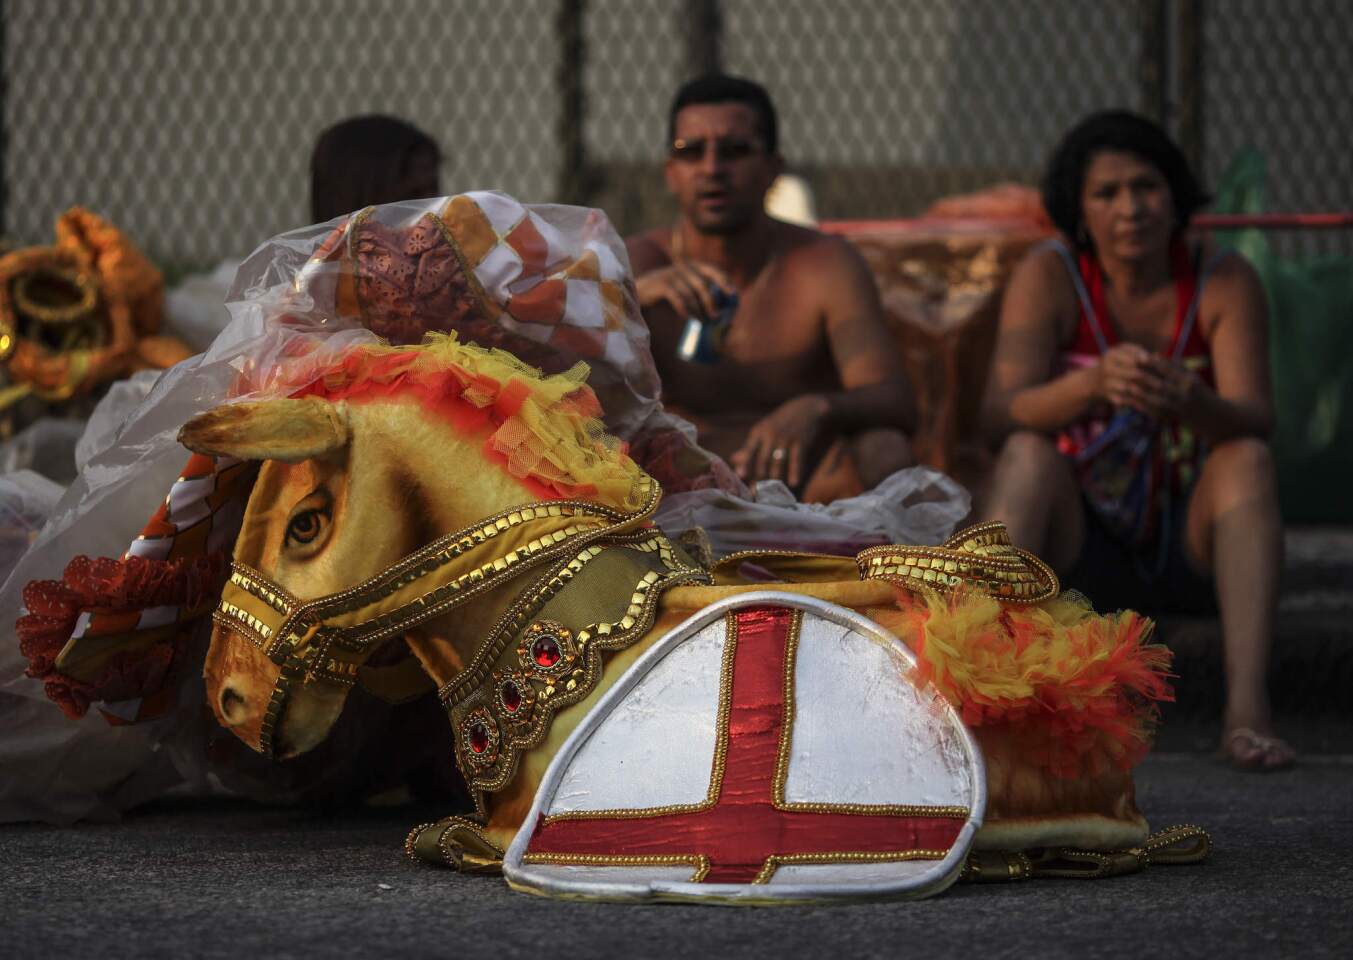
980,558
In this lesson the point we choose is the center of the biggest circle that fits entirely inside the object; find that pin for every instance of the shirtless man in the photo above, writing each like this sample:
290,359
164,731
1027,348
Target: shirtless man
806,359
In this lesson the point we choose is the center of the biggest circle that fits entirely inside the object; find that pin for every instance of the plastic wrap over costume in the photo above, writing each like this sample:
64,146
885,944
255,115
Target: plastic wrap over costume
549,283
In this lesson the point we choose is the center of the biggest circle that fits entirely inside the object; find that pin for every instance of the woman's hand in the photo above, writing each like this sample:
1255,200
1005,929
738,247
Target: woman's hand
1127,376
779,445
1131,376
1177,390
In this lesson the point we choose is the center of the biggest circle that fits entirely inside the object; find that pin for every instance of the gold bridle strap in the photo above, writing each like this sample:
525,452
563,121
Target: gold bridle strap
426,584
980,557
329,639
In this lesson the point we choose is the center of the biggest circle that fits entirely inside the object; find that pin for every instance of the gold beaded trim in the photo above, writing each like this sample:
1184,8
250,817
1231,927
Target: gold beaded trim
1182,844
412,837
980,557
699,863
775,861
489,860
593,519
517,616
460,843
554,690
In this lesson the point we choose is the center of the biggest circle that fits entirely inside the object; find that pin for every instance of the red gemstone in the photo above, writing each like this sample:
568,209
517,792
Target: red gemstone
545,651
479,737
511,696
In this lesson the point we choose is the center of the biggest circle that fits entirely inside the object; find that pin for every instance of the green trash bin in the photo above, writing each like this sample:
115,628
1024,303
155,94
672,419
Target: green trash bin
1310,304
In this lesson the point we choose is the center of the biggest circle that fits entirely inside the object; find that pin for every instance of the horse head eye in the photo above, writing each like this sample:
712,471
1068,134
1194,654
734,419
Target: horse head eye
306,526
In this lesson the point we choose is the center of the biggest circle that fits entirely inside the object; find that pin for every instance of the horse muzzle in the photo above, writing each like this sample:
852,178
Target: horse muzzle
240,680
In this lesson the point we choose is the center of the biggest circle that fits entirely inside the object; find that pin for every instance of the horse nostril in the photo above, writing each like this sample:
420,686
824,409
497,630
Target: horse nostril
232,706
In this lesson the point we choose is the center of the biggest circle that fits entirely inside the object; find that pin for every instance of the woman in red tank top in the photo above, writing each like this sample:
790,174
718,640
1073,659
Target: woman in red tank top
1131,389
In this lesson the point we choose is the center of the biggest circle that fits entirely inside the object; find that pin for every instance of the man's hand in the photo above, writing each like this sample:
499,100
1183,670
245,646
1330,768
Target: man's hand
778,446
685,285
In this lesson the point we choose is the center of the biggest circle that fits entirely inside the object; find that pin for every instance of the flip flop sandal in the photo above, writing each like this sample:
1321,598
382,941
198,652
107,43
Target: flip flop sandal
1246,749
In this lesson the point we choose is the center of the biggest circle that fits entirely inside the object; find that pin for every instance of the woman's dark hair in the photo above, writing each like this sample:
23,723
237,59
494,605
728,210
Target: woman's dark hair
363,161
722,88
1126,132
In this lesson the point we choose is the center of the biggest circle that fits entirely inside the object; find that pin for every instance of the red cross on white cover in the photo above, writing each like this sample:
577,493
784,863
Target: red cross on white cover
746,831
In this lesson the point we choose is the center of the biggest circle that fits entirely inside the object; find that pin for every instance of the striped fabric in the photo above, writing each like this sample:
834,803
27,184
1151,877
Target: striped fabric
566,293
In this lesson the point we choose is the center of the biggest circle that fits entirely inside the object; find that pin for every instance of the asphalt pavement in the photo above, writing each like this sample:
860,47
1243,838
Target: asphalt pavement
218,878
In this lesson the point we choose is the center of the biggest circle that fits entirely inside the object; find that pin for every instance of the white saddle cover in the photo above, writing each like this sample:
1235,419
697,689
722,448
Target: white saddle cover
771,749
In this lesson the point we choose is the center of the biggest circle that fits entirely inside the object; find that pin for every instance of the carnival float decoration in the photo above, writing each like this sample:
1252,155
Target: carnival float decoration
634,720
80,313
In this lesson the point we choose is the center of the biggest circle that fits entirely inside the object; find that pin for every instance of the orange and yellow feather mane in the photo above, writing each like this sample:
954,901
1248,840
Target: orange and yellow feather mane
545,430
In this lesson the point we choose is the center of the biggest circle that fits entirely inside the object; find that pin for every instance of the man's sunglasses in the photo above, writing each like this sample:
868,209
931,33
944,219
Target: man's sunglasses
725,148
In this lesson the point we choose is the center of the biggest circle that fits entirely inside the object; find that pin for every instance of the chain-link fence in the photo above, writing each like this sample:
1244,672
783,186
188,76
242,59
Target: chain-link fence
1276,77
190,122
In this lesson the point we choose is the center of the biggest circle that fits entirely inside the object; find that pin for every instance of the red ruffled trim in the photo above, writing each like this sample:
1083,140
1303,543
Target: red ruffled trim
104,586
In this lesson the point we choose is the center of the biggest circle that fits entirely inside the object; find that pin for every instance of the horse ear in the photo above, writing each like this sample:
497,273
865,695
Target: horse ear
282,429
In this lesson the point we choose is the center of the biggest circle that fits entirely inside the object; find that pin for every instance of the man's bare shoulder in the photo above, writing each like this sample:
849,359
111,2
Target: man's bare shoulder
816,252
649,250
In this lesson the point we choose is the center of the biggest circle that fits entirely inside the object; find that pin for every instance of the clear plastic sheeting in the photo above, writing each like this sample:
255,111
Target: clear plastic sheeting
195,310
105,423
26,500
916,505
46,446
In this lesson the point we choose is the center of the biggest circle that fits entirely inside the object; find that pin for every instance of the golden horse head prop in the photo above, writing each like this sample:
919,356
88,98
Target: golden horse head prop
367,525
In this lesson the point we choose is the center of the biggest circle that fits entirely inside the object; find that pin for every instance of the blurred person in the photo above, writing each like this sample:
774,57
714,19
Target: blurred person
370,160
355,163
1131,387
768,336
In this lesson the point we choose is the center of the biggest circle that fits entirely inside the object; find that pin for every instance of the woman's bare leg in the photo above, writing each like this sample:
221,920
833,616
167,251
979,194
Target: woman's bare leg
1235,531
1034,493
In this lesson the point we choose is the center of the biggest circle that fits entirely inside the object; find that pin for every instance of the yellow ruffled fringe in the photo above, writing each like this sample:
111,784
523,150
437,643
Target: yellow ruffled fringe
1078,689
